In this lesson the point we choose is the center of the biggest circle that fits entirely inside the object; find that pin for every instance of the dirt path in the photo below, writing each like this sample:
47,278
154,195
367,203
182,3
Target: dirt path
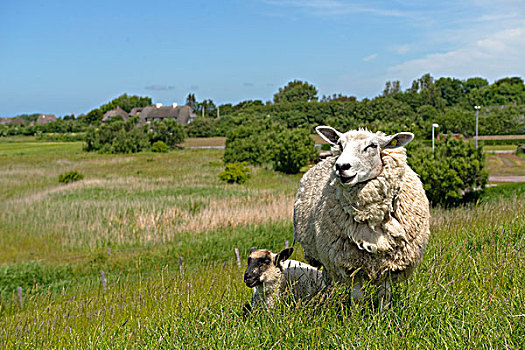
507,178
500,151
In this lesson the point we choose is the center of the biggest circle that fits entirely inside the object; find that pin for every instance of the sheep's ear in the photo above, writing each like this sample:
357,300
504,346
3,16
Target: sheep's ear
398,140
328,134
252,249
282,256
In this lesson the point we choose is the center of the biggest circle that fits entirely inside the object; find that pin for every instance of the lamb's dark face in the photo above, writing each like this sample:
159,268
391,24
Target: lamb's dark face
264,266
260,263
360,152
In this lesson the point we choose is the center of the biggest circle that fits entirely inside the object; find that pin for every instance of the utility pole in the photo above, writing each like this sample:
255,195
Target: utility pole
433,126
477,108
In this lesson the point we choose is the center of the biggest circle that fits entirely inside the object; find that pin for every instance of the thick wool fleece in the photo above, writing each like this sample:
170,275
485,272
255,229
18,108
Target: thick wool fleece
390,212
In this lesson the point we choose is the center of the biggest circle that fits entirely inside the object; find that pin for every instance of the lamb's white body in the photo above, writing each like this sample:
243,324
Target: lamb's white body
374,230
301,279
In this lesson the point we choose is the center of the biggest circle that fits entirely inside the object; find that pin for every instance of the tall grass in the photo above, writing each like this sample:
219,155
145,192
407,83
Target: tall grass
153,209
468,293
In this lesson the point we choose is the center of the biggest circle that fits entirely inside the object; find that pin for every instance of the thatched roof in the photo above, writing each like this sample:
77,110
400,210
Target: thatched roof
136,111
183,114
46,118
115,112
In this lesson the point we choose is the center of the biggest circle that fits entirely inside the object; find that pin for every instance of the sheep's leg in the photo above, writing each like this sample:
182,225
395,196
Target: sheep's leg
326,277
384,292
357,291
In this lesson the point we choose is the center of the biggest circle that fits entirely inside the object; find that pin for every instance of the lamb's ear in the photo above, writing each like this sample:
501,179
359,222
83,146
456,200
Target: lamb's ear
398,140
252,249
282,256
328,134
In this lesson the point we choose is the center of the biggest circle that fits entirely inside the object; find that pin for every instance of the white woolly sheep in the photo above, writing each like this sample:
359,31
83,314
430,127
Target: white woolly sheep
363,213
269,274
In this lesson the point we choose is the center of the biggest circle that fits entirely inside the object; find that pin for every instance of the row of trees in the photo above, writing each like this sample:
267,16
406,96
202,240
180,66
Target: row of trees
446,101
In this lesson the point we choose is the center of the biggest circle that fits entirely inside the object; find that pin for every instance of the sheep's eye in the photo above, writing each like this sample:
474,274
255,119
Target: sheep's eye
340,146
370,146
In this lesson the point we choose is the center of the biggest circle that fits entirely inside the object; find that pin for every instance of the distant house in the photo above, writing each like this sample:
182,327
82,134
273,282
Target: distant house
113,113
182,114
7,120
46,118
136,111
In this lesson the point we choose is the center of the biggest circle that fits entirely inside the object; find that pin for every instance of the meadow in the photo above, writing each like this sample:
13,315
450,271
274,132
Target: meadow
135,216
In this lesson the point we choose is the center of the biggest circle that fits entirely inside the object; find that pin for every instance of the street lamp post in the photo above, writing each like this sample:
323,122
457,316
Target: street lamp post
433,126
477,108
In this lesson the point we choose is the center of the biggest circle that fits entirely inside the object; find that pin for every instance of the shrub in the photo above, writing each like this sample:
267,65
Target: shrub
454,173
116,137
169,131
202,127
159,146
235,173
70,176
251,142
263,142
125,137
294,149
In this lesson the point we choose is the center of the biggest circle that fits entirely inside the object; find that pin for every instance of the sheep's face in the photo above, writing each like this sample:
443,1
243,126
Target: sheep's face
360,152
264,266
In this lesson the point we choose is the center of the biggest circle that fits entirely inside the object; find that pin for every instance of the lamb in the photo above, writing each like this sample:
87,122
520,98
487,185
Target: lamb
363,213
269,275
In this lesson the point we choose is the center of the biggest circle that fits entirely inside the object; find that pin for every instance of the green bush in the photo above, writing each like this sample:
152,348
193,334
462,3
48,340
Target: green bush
294,149
126,137
235,173
70,176
452,174
116,137
251,142
202,127
169,131
160,147
263,142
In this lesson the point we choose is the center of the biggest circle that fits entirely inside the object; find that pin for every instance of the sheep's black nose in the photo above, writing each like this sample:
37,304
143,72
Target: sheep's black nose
341,167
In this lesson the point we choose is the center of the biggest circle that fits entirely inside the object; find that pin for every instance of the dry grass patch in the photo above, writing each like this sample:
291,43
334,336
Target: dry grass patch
204,142
217,213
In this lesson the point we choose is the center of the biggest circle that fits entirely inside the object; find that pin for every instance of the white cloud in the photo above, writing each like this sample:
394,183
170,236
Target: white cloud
370,58
495,55
159,87
402,49
337,8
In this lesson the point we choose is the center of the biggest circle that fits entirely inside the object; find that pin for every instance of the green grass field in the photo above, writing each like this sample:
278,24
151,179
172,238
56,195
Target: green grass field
151,209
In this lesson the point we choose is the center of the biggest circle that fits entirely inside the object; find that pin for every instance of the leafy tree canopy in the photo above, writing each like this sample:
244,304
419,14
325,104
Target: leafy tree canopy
296,91
126,102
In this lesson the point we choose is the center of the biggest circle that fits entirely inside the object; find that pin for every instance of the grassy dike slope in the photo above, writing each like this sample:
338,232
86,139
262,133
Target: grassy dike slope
151,209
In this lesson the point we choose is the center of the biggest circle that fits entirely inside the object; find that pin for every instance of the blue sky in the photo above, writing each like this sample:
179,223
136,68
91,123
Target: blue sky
67,57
